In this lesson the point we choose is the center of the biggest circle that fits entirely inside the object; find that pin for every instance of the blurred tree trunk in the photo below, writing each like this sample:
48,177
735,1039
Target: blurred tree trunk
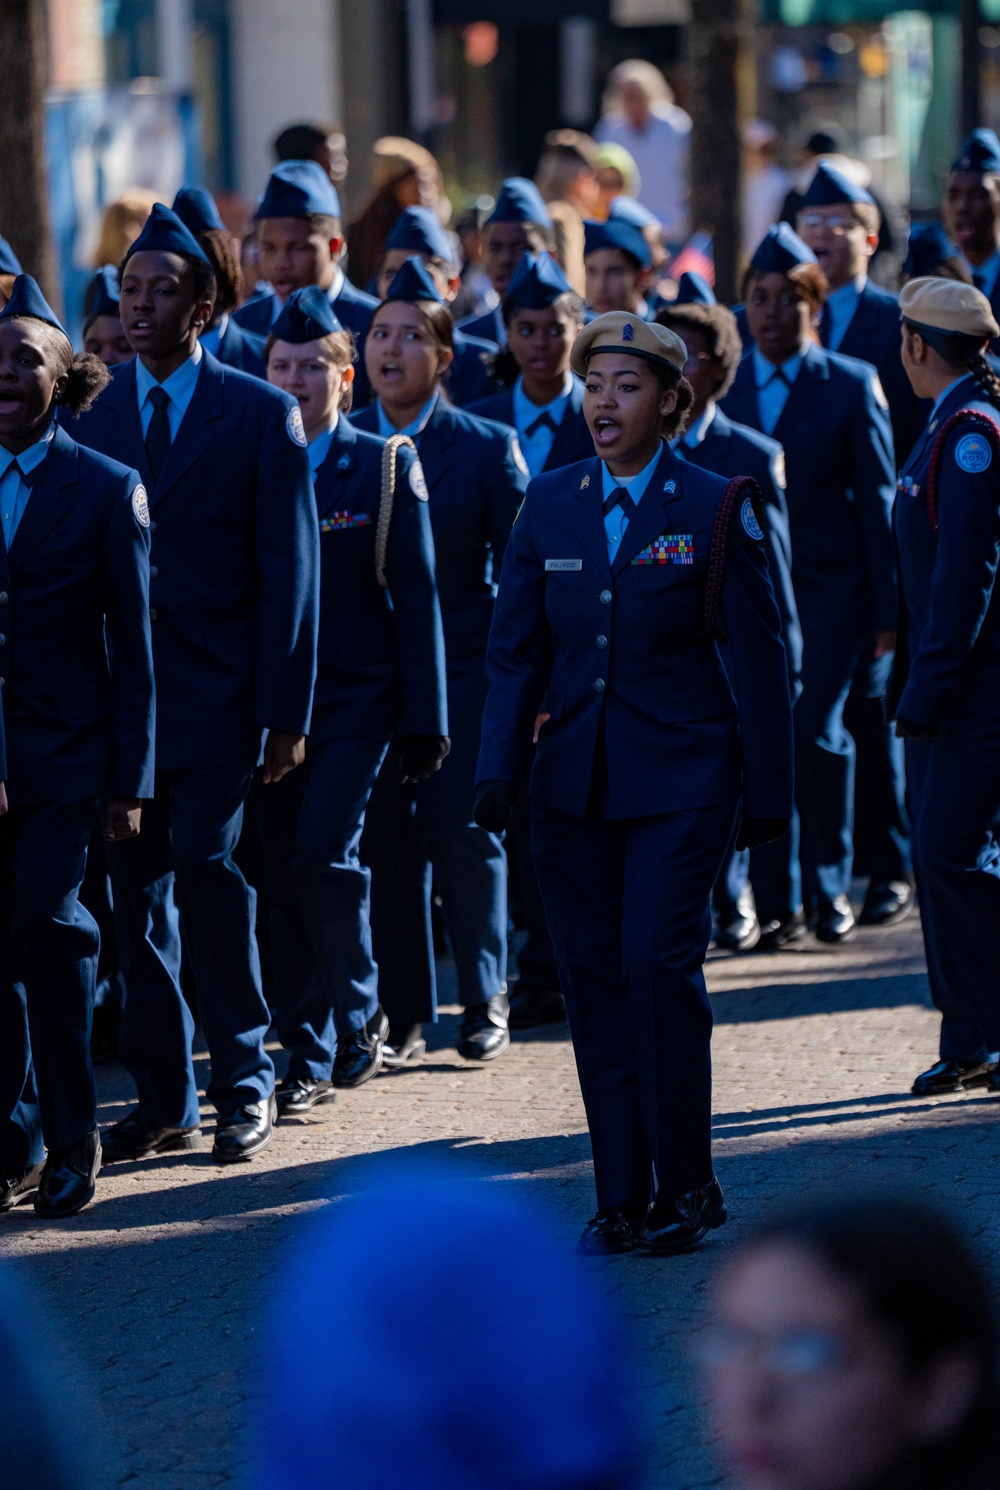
24,210
970,19
721,97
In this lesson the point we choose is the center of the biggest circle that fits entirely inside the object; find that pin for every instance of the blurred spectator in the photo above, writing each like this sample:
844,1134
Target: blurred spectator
640,115
403,175
765,184
476,295
853,1346
616,176
931,252
567,180
830,144
324,143
519,1386
122,222
104,335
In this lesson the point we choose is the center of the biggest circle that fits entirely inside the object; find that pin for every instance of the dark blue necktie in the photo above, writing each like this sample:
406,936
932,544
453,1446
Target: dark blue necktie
826,325
158,434
544,421
620,498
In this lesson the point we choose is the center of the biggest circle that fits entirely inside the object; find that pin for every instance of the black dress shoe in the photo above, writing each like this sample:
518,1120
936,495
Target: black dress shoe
781,931
405,1046
484,1030
739,930
954,1076
21,1187
69,1179
245,1131
360,1057
133,1138
835,921
530,1008
613,1231
886,903
678,1224
301,1094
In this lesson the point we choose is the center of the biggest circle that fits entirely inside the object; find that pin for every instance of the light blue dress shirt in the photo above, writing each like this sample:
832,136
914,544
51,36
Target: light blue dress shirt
984,276
773,391
387,428
697,429
535,448
212,340
179,388
841,305
14,492
319,448
615,521
932,416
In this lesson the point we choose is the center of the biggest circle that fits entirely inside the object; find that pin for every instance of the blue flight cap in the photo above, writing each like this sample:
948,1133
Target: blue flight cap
418,230
979,153
928,248
629,210
307,315
165,233
412,282
197,210
779,250
830,187
101,298
617,233
693,290
299,188
536,283
9,262
541,1334
519,200
28,303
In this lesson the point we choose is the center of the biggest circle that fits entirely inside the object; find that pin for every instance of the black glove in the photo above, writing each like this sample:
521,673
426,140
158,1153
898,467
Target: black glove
494,805
909,729
753,831
419,756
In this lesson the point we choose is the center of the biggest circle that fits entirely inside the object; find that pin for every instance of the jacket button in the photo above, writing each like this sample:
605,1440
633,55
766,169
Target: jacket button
602,641
4,597
152,615
605,597
599,685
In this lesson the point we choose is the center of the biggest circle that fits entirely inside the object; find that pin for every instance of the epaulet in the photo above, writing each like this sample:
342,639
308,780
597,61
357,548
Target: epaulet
983,422
720,535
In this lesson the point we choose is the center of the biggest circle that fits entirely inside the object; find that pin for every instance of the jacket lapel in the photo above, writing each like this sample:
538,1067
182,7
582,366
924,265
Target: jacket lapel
805,393
587,518
338,465
194,434
665,487
49,500
741,400
565,441
434,442
120,400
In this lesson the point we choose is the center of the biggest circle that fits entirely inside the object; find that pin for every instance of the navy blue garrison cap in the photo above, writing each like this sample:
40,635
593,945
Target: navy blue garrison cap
779,250
412,282
9,262
519,200
197,210
418,230
101,298
617,233
979,153
693,290
629,210
307,315
928,248
299,188
165,233
536,283
28,303
830,187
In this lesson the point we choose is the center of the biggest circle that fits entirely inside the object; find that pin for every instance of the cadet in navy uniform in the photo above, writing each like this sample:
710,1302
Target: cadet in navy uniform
829,414
234,603
102,323
972,213
380,673
418,231
229,342
945,691
618,265
930,252
519,224
713,441
476,477
77,679
613,596
301,244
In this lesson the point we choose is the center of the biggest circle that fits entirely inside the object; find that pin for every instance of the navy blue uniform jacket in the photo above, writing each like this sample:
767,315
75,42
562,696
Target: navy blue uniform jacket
948,652
468,378
242,349
620,647
354,310
837,440
381,652
75,659
571,441
234,579
873,335
476,477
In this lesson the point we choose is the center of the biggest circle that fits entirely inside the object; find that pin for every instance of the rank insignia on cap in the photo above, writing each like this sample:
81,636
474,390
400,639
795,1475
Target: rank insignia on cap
973,454
669,548
296,429
584,483
628,331
749,520
339,520
418,483
670,486
140,506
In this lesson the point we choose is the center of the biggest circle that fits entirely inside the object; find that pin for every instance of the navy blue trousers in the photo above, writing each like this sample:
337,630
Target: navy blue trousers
953,786
180,872
881,822
49,945
536,960
628,905
325,978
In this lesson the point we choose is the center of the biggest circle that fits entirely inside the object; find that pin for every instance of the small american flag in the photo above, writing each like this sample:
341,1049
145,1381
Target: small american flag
694,258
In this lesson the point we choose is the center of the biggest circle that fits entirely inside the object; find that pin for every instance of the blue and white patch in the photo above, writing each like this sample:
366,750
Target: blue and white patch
296,429
973,454
749,520
670,486
418,482
140,506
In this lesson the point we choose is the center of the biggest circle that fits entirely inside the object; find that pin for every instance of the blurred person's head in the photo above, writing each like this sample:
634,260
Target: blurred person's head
930,252
830,140
519,224
566,170
947,327
522,1384
616,174
406,172
852,1346
760,142
784,289
310,355
840,222
972,197
197,211
324,143
121,223
299,232
543,316
634,89
418,230
714,349
627,209
617,262
103,332
39,372
469,229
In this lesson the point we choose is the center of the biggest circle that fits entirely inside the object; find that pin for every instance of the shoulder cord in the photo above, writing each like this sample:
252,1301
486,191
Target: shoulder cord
386,499
720,535
982,421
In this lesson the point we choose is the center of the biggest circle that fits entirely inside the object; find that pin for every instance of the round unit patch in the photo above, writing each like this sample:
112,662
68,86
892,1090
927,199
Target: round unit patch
973,453
140,506
418,482
296,429
749,519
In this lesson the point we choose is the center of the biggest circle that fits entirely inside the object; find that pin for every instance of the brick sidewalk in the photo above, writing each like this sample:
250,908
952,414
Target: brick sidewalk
158,1285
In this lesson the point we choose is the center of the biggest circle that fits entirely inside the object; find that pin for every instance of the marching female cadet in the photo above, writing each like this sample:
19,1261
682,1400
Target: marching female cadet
380,672
103,334
232,344
945,690
622,573
475,476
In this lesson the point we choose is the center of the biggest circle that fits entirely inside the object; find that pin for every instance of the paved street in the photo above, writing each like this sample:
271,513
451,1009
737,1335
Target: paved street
158,1286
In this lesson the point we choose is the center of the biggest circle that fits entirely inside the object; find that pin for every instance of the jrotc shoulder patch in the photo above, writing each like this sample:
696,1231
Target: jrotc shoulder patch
748,518
296,429
519,460
418,482
140,506
973,454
